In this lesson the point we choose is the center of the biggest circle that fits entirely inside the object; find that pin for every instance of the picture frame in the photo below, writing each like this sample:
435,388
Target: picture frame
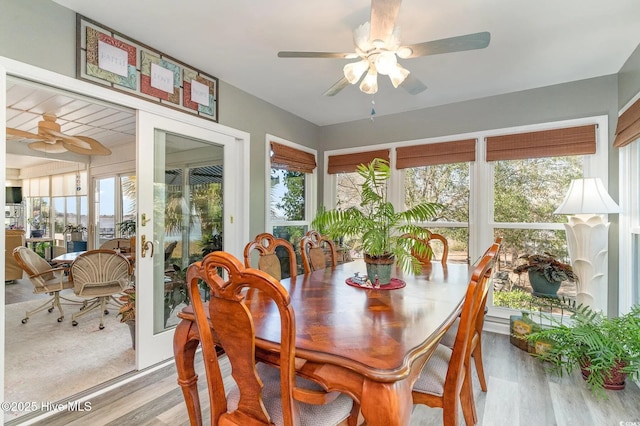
110,59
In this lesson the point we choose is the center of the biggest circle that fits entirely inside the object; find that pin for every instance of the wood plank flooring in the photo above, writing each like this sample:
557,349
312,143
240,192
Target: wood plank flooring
521,393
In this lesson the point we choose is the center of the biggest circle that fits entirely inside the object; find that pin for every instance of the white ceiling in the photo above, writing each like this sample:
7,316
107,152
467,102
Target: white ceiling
533,44
26,102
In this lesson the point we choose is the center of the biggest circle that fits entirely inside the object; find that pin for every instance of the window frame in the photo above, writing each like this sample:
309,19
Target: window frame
481,223
629,183
310,189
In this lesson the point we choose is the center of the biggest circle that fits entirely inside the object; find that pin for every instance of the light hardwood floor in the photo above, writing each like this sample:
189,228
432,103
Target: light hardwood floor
520,392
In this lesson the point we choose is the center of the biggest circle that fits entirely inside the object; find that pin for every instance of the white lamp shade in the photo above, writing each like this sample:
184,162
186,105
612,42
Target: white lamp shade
587,196
354,70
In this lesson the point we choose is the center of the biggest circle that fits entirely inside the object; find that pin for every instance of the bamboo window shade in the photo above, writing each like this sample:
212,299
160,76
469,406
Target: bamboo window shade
436,153
628,128
292,159
347,163
546,143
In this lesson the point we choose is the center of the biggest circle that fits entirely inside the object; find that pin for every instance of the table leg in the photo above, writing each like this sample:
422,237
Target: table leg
185,343
387,404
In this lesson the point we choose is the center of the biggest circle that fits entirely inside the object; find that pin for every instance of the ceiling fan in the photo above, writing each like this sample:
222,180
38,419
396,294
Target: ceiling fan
378,47
51,140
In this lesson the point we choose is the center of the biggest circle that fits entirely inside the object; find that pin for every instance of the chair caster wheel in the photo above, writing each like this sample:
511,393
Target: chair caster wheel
50,309
101,327
74,323
60,319
24,321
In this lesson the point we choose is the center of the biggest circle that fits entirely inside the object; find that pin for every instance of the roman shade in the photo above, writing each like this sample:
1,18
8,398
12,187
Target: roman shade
292,159
347,163
628,128
436,153
546,143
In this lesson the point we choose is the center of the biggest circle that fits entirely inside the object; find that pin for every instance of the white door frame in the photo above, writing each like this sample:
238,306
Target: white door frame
154,348
240,203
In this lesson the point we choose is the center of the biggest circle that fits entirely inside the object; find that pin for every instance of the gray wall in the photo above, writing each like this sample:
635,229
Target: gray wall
43,33
629,78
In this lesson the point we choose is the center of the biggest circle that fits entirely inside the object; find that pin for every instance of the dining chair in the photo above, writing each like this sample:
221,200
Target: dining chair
445,382
315,249
45,279
98,275
476,343
268,247
425,259
260,394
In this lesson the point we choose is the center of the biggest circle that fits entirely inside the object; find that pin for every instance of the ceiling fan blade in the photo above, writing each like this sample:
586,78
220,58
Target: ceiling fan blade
22,134
49,148
340,84
287,54
452,44
383,18
412,85
94,147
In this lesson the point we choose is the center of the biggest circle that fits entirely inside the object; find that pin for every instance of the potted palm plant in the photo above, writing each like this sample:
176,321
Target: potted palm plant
546,273
387,236
607,350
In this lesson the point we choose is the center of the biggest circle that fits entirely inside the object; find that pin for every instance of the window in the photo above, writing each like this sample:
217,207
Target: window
291,189
628,141
447,184
526,192
115,202
503,182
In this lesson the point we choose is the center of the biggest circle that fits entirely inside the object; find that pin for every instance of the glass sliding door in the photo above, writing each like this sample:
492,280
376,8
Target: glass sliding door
184,211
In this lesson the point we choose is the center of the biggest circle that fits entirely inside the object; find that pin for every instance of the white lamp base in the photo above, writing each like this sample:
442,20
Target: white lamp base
588,244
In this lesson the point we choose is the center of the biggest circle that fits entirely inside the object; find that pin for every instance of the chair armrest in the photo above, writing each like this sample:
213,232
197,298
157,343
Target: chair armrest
49,271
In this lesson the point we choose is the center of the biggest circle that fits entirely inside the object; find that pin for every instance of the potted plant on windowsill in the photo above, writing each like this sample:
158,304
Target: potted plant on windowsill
36,227
546,273
388,236
76,231
607,350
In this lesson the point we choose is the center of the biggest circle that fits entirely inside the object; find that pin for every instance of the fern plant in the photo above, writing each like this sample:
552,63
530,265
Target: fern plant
382,230
595,343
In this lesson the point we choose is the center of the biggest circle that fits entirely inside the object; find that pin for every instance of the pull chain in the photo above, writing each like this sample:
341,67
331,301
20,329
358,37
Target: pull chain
373,106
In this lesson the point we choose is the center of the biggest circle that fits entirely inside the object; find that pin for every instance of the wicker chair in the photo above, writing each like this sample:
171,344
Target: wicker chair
45,279
98,275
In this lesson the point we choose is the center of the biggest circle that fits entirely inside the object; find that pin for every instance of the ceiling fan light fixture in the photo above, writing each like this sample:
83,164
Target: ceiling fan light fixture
369,83
398,75
385,62
354,70
404,52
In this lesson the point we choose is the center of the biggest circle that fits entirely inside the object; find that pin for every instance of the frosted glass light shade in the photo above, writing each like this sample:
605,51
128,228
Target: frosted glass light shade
397,75
386,62
369,83
587,196
354,70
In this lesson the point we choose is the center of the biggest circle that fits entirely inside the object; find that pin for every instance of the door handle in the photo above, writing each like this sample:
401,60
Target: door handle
146,245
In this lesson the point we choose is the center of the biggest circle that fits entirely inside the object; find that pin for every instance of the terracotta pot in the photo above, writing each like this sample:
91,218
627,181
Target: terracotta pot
379,266
614,381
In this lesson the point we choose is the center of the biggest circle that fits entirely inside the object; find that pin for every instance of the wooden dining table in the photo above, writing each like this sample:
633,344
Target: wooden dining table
368,343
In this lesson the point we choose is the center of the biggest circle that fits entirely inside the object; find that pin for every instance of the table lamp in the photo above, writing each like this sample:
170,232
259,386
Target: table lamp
588,238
